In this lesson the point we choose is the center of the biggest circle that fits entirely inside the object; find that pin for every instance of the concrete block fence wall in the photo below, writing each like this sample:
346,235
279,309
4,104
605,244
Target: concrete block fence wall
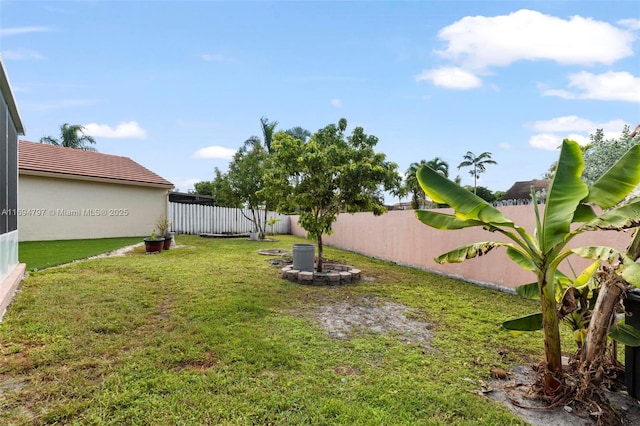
398,236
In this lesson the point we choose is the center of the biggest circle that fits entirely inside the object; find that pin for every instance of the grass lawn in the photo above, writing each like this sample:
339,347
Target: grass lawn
210,334
43,254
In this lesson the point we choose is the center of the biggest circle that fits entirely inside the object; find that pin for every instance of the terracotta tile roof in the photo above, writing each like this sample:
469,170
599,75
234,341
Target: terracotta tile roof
522,190
43,158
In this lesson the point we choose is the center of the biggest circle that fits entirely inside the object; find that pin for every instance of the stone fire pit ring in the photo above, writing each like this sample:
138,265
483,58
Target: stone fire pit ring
333,274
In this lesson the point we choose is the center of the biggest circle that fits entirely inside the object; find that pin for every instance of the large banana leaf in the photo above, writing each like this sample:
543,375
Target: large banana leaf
625,334
626,268
521,259
445,221
565,194
618,182
529,291
470,251
531,322
466,205
623,217
583,213
586,275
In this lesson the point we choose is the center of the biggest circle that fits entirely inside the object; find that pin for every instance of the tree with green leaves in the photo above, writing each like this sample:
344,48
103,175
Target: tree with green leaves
299,133
418,198
71,136
482,192
569,212
220,189
477,164
268,127
601,153
327,175
245,179
440,166
204,187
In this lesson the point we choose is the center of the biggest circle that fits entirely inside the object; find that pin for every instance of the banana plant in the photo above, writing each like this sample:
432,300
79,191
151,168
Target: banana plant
569,201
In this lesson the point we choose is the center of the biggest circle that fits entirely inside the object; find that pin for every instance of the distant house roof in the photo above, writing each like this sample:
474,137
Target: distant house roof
50,160
405,205
522,190
186,198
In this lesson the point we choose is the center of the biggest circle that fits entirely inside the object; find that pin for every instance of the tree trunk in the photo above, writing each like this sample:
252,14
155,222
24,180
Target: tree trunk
604,311
319,268
263,230
602,317
553,377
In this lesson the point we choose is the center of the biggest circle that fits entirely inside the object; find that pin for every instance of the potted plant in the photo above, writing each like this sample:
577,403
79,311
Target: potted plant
153,244
162,225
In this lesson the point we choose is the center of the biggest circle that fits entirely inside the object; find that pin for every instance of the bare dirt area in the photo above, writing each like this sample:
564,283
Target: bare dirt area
514,391
370,314
119,252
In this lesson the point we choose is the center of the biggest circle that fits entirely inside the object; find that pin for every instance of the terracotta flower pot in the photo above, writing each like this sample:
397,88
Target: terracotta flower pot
167,243
152,246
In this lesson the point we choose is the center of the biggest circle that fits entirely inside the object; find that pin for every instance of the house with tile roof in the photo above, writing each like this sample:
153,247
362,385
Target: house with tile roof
11,271
522,190
68,194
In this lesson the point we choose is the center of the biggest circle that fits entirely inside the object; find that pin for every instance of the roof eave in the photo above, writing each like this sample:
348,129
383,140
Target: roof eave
28,172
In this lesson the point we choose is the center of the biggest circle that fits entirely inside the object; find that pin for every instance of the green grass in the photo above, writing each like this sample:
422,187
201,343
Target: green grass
43,254
210,334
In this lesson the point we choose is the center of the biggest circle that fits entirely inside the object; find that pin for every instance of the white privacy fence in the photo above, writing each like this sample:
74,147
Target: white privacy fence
199,219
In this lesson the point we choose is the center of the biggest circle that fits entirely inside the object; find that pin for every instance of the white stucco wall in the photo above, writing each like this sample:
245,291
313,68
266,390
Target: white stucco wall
52,208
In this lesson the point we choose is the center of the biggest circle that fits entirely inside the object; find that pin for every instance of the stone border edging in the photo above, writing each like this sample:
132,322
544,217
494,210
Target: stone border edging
335,274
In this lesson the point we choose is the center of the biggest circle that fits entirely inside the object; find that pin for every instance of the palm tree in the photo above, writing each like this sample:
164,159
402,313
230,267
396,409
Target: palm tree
267,132
71,136
440,166
254,144
298,133
478,163
418,198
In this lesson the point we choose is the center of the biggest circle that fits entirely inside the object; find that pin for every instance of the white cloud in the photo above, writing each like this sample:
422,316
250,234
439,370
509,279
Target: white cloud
479,42
545,141
183,184
581,139
632,24
216,152
450,78
126,130
21,54
23,30
214,57
610,86
553,131
504,145
574,123
336,102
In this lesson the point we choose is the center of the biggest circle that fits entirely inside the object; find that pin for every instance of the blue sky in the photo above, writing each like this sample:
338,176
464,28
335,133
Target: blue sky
179,86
